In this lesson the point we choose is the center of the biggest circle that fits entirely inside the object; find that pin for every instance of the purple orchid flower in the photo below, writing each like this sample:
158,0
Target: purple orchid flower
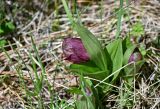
135,57
74,51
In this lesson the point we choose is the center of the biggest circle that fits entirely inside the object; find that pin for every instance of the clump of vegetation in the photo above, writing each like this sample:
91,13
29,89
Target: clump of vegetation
106,65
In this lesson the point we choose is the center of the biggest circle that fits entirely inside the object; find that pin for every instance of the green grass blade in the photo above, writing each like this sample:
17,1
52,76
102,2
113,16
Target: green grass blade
69,14
119,22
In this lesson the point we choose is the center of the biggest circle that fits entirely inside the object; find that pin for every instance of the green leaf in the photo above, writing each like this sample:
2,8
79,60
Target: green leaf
75,90
137,29
90,94
142,49
86,84
87,67
126,43
131,70
10,25
2,43
1,31
89,71
6,27
81,104
116,53
93,46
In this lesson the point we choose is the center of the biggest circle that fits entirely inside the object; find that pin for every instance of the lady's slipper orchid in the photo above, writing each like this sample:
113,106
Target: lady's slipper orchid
74,51
135,57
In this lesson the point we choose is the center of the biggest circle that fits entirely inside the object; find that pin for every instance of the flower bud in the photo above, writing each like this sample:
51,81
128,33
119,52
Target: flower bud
135,57
74,51
88,91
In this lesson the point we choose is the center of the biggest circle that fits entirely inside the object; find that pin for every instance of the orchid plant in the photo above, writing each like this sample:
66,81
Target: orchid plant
103,64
